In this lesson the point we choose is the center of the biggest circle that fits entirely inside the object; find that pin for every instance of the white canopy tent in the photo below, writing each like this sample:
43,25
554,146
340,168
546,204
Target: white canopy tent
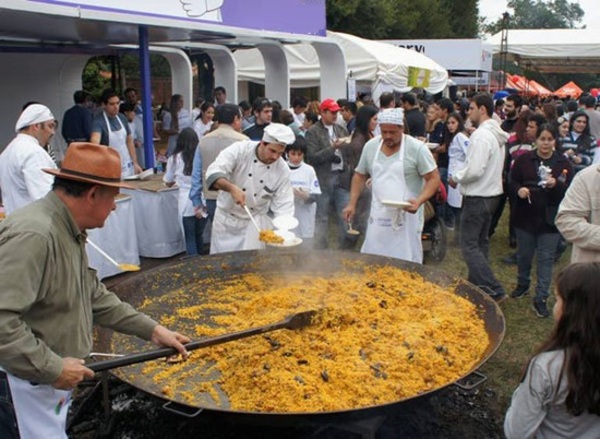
552,50
383,66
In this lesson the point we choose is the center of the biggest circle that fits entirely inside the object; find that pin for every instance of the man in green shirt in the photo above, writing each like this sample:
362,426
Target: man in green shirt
50,298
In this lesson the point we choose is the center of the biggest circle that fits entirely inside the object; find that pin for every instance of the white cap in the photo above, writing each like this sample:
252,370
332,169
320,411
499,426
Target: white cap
278,133
394,116
35,113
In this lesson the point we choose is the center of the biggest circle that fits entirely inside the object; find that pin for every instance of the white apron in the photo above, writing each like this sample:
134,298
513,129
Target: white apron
232,233
41,410
118,140
392,231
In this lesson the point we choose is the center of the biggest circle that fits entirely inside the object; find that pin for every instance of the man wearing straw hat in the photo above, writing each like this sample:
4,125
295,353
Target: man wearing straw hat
51,299
21,178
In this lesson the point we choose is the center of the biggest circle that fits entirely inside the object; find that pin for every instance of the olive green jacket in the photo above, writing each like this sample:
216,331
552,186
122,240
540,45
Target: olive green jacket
49,298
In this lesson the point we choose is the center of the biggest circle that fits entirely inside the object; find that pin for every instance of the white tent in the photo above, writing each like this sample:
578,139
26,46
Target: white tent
383,66
552,50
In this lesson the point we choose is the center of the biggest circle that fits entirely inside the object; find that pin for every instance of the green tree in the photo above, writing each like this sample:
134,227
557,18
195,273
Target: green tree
385,19
539,14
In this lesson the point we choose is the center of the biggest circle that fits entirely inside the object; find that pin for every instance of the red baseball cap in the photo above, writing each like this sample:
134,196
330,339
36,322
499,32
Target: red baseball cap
330,105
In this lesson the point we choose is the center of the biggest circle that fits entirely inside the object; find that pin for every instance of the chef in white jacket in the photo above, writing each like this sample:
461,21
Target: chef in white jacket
253,174
22,180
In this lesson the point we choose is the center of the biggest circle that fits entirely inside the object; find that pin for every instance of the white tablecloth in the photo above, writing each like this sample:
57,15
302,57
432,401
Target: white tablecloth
117,238
158,226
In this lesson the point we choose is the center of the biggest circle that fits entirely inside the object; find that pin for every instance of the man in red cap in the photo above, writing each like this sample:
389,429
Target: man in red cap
51,299
324,140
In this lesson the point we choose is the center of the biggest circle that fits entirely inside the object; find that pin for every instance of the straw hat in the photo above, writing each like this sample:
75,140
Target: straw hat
91,163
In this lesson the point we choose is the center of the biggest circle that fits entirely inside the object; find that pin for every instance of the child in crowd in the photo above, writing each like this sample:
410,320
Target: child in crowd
559,395
179,170
306,190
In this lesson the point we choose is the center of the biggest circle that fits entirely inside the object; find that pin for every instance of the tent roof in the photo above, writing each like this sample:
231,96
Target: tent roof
369,61
569,89
552,50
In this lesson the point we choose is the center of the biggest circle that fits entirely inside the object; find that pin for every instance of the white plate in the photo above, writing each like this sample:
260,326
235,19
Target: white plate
432,145
285,222
141,176
399,204
145,174
287,243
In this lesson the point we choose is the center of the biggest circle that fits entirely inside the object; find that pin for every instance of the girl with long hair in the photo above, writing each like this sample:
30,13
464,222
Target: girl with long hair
179,171
580,146
559,393
204,121
458,143
174,121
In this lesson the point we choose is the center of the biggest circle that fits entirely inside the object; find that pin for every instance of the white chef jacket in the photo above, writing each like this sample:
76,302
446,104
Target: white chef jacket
21,177
267,188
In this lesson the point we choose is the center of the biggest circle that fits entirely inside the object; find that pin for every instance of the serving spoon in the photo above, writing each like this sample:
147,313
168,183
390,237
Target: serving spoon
123,267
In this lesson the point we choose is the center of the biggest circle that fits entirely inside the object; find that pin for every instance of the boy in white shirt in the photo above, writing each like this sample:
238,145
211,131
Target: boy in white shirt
306,190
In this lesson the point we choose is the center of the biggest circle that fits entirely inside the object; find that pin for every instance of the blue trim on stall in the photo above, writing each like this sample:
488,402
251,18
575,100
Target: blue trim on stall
144,53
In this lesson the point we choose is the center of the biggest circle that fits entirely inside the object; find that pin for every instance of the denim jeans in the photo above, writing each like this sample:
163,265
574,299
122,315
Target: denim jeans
8,419
211,207
325,204
193,228
544,247
443,210
476,217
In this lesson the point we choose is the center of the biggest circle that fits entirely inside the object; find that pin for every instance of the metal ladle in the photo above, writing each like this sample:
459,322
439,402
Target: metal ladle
352,231
124,267
252,218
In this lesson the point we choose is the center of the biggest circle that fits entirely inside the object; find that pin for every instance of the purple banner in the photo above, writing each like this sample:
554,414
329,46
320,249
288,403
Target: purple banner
305,17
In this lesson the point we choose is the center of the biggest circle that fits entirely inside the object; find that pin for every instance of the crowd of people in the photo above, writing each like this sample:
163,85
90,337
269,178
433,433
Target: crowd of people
350,172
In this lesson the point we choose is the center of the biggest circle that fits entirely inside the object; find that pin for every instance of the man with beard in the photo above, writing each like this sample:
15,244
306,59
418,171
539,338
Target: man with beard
21,178
512,108
403,176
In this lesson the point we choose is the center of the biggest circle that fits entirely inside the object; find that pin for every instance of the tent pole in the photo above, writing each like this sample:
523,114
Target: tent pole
144,55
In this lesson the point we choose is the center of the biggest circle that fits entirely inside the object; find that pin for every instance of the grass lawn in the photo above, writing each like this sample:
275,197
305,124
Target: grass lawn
524,330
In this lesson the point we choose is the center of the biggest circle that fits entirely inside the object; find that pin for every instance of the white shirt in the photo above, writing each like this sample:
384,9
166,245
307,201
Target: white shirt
184,183
267,186
299,118
201,128
21,177
482,174
185,121
304,177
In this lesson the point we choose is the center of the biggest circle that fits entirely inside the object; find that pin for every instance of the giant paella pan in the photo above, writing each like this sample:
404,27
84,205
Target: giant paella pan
386,332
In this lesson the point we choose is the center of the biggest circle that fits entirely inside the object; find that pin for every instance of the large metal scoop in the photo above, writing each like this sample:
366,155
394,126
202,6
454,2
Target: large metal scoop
295,321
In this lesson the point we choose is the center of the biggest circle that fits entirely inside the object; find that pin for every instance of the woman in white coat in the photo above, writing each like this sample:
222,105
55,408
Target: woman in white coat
252,174
458,143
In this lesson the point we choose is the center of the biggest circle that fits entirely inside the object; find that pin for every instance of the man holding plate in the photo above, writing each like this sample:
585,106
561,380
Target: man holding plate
403,175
